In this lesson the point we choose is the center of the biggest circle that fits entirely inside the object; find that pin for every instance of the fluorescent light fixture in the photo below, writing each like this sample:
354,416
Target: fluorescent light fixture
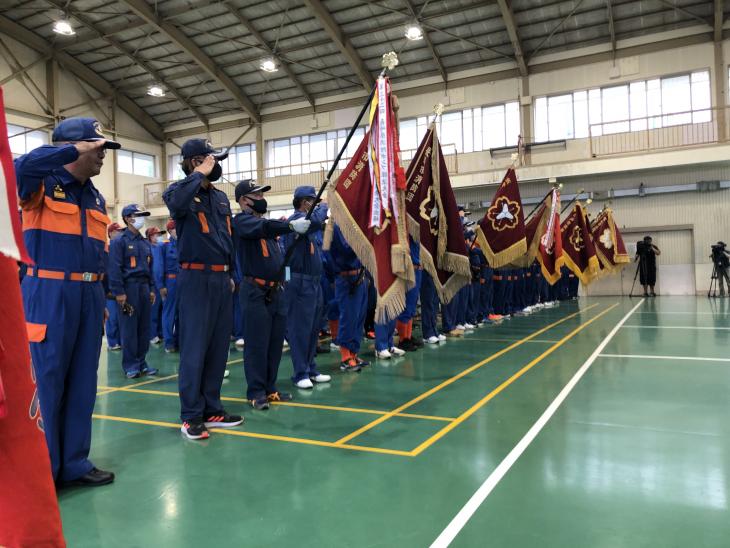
414,32
63,27
268,65
155,91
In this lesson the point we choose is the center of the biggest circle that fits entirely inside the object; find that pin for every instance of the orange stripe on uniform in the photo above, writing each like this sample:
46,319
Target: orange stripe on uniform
311,248
264,248
36,331
53,216
133,262
228,222
203,222
35,200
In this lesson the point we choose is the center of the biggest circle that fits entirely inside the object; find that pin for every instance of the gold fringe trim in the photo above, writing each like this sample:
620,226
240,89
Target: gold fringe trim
329,230
501,258
552,278
460,274
585,276
534,245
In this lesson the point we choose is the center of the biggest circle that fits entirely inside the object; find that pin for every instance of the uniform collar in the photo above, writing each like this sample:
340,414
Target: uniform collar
65,178
131,235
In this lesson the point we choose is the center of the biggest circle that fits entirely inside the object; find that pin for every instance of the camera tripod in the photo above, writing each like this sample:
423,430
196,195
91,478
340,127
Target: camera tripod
641,266
714,278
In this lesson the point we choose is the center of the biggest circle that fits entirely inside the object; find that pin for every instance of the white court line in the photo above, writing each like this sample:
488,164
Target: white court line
686,312
645,357
676,327
457,524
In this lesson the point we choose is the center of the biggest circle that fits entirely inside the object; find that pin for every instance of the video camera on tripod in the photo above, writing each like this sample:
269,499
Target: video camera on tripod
720,263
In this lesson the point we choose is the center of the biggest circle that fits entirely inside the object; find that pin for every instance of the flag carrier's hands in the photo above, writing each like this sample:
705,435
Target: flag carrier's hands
301,225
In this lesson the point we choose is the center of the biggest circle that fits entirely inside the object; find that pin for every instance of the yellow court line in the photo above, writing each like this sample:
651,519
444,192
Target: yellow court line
540,341
474,408
243,434
455,378
294,404
109,389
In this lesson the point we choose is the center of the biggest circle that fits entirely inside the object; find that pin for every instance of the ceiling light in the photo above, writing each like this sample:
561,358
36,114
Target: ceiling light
268,65
155,91
63,27
414,32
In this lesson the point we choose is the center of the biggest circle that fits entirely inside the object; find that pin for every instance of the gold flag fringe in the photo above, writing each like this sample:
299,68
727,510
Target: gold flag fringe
504,257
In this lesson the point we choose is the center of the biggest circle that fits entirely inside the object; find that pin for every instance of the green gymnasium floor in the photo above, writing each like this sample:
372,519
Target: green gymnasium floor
450,442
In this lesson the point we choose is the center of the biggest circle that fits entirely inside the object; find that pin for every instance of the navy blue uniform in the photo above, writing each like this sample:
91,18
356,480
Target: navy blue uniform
156,309
351,292
168,279
64,228
205,250
260,257
130,274
304,295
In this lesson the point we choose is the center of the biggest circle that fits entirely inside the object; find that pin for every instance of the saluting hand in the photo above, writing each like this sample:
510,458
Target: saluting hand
207,166
86,146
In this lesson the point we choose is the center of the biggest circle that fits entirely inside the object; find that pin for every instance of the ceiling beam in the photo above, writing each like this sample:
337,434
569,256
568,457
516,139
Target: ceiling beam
429,43
335,33
42,46
684,11
509,21
286,67
719,19
159,78
143,10
611,26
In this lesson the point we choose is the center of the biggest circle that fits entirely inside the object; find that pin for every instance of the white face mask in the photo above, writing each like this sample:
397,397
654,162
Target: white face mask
138,223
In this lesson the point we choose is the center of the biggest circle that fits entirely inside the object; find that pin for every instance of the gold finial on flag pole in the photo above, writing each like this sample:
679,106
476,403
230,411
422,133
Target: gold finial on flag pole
438,109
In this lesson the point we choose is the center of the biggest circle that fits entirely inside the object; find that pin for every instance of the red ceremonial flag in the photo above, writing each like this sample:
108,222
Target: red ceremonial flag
367,203
534,229
608,242
501,233
550,249
433,219
579,252
28,506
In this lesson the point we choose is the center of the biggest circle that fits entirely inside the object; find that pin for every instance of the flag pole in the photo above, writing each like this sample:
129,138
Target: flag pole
581,191
534,209
389,62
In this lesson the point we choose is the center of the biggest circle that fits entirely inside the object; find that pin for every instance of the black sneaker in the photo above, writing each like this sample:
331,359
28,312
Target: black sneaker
321,349
195,430
361,362
93,478
260,403
417,341
223,420
350,365
133,374
279,396
408,345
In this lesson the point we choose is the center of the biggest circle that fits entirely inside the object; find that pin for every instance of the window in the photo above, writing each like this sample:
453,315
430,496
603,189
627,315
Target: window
135,163
637,106
469,130
309,153
23,139
240,164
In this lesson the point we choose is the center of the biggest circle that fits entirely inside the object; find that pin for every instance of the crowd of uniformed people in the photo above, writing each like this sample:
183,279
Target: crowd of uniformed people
210,278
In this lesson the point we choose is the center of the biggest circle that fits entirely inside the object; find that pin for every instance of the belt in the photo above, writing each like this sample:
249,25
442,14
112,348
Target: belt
308,277
170,276
201,266
73,276
482,281
350,272
261,282
417,267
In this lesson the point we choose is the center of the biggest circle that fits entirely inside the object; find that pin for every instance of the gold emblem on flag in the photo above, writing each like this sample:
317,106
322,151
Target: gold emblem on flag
576,239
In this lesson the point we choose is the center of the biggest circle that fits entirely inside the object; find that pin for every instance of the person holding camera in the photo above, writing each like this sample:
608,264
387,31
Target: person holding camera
646,254
721,259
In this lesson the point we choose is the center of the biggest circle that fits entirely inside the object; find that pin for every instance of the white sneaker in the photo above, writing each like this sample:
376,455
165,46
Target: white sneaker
433,340
156,340
226,374
460,327
467,325
334,346
304,383
395,351
441,337
240,343
286,343
382,354
320,378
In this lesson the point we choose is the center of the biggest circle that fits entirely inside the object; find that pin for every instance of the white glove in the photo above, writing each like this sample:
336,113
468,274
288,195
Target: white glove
300,226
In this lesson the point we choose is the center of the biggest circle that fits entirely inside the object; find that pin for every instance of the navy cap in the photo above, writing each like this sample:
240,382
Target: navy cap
133,210
200,147
305,192
81,129
248,186
469,234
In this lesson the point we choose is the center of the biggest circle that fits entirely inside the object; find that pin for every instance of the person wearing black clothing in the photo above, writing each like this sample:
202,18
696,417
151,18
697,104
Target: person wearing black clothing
646,254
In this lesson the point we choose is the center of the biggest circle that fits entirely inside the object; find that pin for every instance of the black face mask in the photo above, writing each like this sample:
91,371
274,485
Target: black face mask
259,206
215,173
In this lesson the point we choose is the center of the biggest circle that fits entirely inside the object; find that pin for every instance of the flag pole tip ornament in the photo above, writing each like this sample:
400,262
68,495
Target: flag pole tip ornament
390,60
438,109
